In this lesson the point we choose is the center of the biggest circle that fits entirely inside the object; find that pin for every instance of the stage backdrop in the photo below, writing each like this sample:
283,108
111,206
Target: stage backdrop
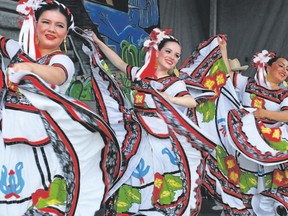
250,26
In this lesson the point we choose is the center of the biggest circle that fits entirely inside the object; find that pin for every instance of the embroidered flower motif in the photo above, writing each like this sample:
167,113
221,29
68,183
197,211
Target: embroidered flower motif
276,135
158,184
217,93
233,169
209,82
271,134
40,193
55,195
215,82
258,102
264,130
230,162
279,179
234,175
139,99
220,78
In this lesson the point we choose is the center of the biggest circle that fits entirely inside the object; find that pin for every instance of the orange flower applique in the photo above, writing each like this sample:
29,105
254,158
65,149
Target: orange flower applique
210,82
230,162
215,82
233,169
271,134
139,99
279,178
220,78
258,102
234,175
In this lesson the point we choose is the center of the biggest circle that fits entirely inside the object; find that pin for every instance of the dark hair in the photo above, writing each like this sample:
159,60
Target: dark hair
54,5
272,60
165,40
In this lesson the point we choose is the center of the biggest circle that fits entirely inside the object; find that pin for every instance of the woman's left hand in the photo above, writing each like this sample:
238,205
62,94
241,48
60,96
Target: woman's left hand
23,66
259,113
167,96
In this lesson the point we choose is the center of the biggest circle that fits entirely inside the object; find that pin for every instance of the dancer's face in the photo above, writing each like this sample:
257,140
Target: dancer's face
51,30
169,55
278,71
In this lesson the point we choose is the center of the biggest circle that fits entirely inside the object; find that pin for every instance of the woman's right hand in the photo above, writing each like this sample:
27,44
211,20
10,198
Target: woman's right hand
259,113
95,38
222,41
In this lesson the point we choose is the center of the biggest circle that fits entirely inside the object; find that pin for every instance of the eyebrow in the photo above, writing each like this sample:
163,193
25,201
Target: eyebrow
284,65
47,19
172,50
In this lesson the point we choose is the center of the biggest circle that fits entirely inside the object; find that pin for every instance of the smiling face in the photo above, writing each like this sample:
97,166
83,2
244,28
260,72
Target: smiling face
51,31
169,55
278,71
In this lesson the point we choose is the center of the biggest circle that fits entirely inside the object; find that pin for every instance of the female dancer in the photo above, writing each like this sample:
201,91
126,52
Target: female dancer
51,148
248,172
162,171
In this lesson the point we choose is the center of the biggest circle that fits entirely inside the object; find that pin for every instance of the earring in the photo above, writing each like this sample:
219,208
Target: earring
65,45
156,63
176,72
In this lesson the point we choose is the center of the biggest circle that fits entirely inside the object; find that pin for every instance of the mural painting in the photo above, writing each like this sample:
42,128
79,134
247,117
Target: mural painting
124,26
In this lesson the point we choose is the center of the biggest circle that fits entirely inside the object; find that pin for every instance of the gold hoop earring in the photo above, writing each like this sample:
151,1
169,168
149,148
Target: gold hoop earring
176,71
65,45
156,63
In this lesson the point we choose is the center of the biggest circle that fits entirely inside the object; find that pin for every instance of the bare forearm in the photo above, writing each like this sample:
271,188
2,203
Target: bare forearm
224,51
112,56
185,101
226,61
281,116
50,74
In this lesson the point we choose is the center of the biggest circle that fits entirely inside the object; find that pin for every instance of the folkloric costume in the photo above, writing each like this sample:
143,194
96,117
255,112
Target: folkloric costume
247,172
57,157
162,164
